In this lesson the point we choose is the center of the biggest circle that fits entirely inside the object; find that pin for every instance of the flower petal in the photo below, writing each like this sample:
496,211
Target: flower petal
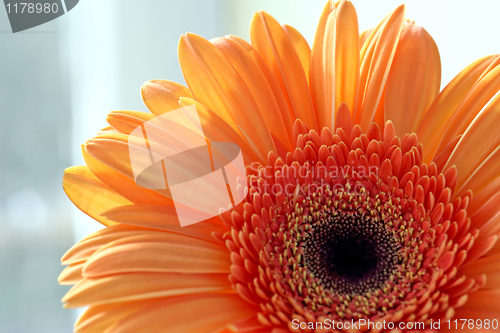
138,286
363,37
346,55
488,300
487,218
488,265
445,154
251,324
112,150
480,249
414,79
478,200
479,140
478,97
164,218
301,46
82,250
217,130
375,65
214,82
483,175
71,274
475,314
439,115
320,76
89,194
97,318
127,121
197,313
277,90
108,130
123,185
161,253
256,82
335,61
161,96
271,41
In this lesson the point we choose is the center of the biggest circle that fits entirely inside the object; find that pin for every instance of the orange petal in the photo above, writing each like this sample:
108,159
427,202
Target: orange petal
127,121
139,286
496,250
301,47
369,41
493,281
71,274
271,41
484,174
414,79
475,101
108,130
488,265
346,55
480,139
321,76
161,96
256,82
488,300
364,36
217,130
89,194
487,218
439,115
164,218
475,313
379,117
335,61
196,313
443,157
82,250
113,151
161,253
480,249
479,199
215,83
123,185
97,318
277,90
376,59
251,324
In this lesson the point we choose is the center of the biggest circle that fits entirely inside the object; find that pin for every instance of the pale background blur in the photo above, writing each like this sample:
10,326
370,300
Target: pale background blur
59,80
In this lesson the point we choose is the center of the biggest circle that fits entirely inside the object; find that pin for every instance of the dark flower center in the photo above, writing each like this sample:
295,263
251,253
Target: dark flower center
351,253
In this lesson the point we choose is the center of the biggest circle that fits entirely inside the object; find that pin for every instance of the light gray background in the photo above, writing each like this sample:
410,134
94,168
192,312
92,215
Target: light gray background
59,80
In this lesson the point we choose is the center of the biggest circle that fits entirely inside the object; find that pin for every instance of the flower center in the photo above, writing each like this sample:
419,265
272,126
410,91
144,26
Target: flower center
350,253
349,226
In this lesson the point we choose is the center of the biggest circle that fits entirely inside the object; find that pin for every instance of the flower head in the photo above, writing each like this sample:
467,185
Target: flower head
370,195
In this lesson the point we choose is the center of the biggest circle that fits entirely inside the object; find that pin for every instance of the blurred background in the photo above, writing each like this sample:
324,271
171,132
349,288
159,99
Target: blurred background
59,80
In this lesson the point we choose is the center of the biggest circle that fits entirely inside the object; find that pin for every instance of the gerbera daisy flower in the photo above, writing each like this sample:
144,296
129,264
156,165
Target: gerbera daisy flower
372,196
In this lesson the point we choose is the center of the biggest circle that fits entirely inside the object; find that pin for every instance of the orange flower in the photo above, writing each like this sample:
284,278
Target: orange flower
348,215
